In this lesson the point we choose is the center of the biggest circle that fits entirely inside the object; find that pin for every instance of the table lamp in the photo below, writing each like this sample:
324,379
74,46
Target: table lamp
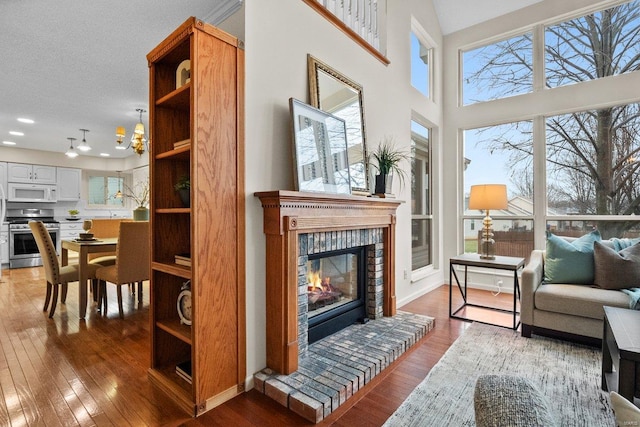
485,197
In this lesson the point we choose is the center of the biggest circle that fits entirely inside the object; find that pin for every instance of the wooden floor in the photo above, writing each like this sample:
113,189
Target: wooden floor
67,372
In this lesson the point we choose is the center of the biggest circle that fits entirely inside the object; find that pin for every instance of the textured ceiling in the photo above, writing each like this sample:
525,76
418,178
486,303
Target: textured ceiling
74,64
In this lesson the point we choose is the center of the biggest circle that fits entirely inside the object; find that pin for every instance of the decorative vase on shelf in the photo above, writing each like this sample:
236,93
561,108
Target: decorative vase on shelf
185,197
383,184
141,214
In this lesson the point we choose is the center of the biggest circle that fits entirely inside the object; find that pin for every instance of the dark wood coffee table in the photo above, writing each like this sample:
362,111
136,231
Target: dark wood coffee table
620,348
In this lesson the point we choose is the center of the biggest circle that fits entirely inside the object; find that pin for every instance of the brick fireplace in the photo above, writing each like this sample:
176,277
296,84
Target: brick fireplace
297,225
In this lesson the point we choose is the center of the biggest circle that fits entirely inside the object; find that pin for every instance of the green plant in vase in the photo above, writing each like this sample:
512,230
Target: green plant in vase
387,159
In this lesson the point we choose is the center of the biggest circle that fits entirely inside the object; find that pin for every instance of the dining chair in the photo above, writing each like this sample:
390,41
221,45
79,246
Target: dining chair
55,274
132,263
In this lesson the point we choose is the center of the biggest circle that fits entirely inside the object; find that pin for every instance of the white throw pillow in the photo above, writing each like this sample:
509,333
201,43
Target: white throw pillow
627,414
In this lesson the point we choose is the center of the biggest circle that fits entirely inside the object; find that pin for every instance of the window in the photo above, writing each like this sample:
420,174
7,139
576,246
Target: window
587,158
501,154
593,162
102,191
421,60
421,215
498,70
601,44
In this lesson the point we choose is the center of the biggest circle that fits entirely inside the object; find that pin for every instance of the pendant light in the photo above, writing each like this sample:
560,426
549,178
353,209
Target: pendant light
71,153
83,145
118,195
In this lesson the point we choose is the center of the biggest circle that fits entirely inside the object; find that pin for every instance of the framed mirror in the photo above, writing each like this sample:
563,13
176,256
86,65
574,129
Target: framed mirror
320,150
336,94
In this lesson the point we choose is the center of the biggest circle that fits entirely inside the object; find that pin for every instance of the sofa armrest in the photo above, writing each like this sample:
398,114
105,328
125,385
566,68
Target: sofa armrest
532,275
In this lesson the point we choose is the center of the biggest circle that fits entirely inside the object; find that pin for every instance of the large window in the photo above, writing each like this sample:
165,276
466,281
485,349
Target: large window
587,162
597,45
498,70
421,215
501,154
593,163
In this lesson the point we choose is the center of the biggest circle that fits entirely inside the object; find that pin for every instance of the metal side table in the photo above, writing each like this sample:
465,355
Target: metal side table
499,263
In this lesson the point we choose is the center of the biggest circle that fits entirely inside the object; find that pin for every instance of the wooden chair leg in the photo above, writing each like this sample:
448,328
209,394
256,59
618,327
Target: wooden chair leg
94,289
47,298
120,302
63,297
140,292
54,301
102,298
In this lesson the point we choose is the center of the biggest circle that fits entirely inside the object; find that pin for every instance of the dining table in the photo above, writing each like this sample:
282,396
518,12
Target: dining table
84,248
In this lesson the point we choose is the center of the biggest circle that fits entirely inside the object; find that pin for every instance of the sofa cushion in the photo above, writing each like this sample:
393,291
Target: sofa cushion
570,261
616,270
578,300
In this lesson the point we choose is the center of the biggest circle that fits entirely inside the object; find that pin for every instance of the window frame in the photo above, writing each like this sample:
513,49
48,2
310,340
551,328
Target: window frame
485,114
427,148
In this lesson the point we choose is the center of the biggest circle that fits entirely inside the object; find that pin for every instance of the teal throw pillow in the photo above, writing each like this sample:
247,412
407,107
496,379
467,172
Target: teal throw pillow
570,262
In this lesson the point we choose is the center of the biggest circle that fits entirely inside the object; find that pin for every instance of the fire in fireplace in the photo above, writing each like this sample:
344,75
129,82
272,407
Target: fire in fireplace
335,291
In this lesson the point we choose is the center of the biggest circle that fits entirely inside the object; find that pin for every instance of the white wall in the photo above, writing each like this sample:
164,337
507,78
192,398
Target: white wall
278,37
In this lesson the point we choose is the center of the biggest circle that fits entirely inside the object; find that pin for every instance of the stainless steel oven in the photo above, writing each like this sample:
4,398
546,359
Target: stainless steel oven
23,250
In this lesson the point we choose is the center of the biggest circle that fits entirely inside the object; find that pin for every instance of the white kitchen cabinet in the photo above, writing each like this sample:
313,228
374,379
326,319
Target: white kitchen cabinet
3,179
70,229
24,172
4,244
69,184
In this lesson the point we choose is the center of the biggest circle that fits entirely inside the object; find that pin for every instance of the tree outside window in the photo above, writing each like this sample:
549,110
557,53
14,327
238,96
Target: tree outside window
592,156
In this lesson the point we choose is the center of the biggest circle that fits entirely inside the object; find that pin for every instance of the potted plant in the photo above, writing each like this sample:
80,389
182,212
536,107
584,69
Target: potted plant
183,187
73,213
386,159
139,194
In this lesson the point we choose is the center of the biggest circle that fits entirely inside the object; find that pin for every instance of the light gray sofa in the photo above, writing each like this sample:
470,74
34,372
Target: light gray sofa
565,311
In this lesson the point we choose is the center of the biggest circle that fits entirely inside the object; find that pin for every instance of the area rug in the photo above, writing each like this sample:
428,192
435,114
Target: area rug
567,374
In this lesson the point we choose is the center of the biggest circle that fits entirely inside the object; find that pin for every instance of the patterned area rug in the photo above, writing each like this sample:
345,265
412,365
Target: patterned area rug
567,374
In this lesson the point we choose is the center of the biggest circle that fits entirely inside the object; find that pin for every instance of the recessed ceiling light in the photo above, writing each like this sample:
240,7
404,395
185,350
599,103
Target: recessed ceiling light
8,143
16,133
23,120
105,154
120,147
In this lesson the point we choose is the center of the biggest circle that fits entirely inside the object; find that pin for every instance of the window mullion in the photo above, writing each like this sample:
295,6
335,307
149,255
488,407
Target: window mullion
538,58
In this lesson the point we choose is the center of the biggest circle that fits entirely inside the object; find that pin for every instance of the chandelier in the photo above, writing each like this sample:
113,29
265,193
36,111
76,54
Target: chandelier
138,141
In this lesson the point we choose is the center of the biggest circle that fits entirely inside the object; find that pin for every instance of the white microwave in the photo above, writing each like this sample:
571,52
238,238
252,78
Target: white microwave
17,192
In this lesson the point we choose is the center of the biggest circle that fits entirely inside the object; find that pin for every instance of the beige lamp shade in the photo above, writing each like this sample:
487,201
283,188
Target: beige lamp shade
120,131
488,196
139,129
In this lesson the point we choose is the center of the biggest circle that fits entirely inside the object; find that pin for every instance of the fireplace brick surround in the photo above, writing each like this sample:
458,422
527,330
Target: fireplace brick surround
317,243
322,221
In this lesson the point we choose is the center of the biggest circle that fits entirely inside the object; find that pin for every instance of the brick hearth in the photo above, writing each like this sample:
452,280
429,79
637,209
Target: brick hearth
337,366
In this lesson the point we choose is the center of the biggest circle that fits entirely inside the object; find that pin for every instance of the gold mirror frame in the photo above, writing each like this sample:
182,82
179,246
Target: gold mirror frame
334,93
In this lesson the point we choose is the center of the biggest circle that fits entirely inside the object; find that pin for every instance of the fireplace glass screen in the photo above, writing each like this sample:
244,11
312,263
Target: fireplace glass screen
332,282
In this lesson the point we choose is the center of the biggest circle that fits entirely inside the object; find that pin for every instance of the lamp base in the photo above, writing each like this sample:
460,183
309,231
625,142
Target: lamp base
483,256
